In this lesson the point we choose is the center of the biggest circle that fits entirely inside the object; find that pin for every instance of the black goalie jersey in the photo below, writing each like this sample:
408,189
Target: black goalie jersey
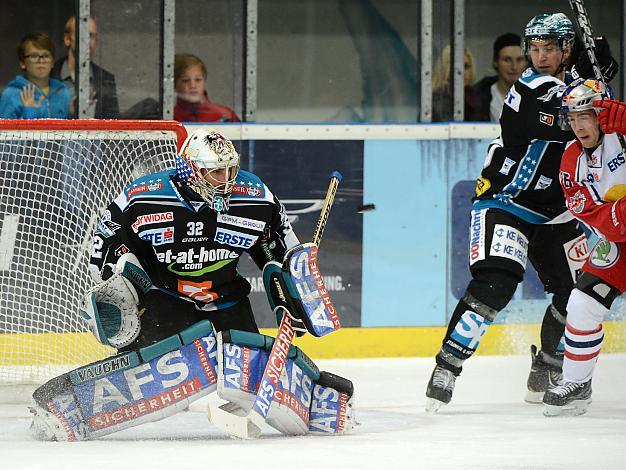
521,171
189,250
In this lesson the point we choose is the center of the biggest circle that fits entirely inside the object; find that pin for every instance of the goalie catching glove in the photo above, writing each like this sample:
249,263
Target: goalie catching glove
110,308
297,286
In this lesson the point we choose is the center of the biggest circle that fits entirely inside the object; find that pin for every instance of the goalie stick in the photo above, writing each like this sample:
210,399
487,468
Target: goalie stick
249,425
584,26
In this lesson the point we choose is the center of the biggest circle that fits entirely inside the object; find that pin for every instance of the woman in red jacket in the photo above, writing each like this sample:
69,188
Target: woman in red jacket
193,103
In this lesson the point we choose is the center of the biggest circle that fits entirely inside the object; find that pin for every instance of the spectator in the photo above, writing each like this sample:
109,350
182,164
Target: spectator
33,94
442,87
103,101
509,63
193,103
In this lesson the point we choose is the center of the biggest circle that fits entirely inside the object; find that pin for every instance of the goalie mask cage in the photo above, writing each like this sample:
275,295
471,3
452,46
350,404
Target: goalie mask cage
56,178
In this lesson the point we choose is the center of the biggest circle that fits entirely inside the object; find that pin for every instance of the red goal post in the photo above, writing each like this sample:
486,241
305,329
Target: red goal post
56,177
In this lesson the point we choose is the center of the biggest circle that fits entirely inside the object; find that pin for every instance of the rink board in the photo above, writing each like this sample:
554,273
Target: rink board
351,342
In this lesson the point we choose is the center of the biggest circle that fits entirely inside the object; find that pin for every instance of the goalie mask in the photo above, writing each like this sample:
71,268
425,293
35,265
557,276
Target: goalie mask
209,163
579,96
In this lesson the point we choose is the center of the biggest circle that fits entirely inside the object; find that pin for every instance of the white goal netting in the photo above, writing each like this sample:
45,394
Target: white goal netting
54,182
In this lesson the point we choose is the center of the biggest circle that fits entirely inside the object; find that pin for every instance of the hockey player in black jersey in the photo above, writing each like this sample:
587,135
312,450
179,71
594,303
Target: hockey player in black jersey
169,299
188,227
519,214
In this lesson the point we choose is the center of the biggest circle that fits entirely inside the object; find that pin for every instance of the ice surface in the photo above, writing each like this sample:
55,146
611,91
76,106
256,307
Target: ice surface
487,426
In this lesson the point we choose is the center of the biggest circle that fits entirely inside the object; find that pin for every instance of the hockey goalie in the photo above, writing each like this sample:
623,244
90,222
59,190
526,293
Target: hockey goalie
169,299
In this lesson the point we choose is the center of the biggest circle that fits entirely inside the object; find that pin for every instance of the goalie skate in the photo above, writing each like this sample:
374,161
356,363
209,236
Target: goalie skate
567,399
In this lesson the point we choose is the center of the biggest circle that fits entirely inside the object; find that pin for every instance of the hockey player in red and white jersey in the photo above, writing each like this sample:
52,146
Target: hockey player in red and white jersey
593,177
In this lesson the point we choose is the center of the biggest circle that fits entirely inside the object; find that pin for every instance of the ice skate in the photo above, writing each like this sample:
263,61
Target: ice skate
440,388
567,399
543,376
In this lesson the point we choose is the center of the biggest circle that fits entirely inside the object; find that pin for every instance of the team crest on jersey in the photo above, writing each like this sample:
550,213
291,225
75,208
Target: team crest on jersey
576,202
547,119
604,255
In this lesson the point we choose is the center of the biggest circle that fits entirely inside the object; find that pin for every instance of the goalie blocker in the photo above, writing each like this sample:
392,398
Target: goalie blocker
298,287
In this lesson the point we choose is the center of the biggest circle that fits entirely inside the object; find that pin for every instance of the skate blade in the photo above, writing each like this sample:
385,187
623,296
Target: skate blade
575,408
433,405
536,398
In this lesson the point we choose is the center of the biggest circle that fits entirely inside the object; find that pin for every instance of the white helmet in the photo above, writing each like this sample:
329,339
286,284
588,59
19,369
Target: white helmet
579,96
206,148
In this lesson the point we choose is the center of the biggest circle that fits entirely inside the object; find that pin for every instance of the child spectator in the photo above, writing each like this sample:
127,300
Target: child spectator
33,94
193,103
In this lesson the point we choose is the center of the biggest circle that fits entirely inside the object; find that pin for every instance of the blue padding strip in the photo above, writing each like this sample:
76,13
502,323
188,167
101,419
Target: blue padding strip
162,347
195,331
246,338
512,208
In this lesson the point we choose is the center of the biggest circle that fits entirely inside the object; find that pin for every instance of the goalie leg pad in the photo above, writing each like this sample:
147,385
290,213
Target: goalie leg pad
128,389
305,400
332,405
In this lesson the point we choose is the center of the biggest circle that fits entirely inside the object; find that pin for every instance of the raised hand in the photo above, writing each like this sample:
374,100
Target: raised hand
27,95
613,117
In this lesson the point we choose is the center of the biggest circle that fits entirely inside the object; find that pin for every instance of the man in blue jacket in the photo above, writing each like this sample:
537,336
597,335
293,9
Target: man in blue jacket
34,95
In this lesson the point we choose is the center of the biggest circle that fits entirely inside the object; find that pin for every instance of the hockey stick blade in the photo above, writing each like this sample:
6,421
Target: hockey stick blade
235,425
249,425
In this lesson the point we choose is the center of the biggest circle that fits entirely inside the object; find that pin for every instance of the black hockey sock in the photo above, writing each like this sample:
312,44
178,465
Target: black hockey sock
552,330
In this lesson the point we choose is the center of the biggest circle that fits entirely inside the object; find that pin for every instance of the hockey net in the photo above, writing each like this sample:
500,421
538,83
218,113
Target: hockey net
56,177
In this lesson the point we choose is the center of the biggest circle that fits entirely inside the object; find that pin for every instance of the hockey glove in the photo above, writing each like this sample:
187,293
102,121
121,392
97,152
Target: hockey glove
110,308
278,287
613,117
608,65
